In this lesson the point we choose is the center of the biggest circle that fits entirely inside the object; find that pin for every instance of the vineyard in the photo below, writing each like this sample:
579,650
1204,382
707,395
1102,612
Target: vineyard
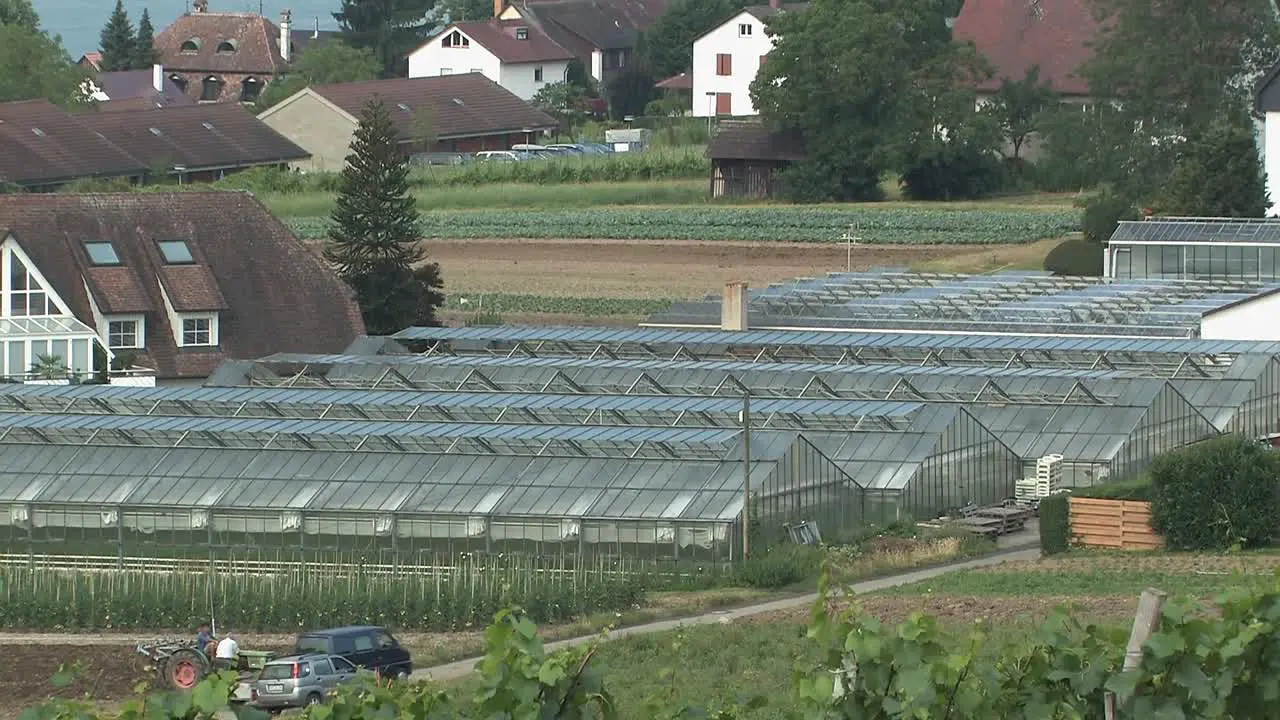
458,598
906,226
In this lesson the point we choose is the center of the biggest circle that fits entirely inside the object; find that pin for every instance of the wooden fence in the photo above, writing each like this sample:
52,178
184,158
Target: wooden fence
1119,524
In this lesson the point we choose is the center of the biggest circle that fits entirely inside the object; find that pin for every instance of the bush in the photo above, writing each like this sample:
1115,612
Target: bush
1138,490
1075,257
1219,174
1216,495
959,176
779,566
97,185
1103,212
1055,524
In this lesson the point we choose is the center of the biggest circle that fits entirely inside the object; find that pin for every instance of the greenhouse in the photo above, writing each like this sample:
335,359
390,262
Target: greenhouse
97,470
1200,248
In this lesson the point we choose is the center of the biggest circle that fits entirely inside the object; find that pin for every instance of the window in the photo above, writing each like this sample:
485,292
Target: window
364,643
226,47
250,89
211,89
724,64
176,252
762,57
101,253
744,29
537,74
26,295
190,46
124,334
522,33
322,667
476,70
455,39
341,665
180,81
446,71
197,331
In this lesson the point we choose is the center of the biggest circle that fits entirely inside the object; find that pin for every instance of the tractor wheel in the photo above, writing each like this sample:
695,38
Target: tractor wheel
184,669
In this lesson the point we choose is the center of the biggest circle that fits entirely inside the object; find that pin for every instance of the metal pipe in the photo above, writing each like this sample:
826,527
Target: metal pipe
746,475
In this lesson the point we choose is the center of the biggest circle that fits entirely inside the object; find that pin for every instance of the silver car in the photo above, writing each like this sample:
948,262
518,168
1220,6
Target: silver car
300,680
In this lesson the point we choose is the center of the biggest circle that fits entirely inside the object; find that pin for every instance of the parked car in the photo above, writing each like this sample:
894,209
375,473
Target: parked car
569,148
299,681
366,646
499,156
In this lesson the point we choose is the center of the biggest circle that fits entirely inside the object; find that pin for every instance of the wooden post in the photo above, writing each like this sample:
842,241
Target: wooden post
1145,622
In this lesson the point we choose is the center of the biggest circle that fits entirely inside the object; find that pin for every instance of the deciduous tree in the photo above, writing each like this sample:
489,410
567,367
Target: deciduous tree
390,28
667,44
144,45
1019,106
468,10
374,241
565,102
118,41
1218,173
19,12
330,62
34,65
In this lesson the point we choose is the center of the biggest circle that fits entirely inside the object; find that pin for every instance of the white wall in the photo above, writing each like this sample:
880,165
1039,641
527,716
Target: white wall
519,78
1271,159
432,58
746,52
1251,320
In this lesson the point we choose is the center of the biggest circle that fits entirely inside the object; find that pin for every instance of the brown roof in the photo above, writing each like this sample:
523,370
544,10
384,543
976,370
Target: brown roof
275,294
683,81
208,135
764,12
750,140
124,85
91,60
41,143
256,41
499,38
460,105
605,24
1013,35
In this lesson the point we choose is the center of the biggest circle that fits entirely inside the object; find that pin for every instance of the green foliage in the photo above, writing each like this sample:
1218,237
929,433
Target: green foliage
1019,106
1075,256
1219,174
467,10
565,101
373,237
1216,495
498,303
1103,212
1082,147
144,44
118,41
460,598
391,29
97,185
798,224
1055,524
35,65
779,566
953,173
330,62
1138,490
666,46
629,92
20,13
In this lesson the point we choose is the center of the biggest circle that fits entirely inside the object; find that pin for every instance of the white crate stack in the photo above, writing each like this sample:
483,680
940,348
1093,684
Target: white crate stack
1047,480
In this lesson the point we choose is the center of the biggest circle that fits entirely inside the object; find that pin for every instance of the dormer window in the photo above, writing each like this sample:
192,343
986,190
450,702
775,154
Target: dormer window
190,46
101,253
199,330
226,47
455,39
176,252
522,33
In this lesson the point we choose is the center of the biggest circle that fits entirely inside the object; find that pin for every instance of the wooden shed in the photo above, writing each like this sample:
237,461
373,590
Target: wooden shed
746,157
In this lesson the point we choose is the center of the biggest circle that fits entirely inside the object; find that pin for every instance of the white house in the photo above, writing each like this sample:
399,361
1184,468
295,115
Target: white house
1267,108
518,56
726,58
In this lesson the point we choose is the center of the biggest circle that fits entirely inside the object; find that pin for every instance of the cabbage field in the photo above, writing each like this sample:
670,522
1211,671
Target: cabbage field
890,225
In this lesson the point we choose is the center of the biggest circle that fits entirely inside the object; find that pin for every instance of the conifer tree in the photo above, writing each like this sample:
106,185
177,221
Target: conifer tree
144,45
373,239
117,40
1218,173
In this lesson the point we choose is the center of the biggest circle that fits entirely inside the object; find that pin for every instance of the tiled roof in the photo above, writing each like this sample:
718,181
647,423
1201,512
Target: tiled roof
1014,35
41,143
208,135
461,105
125,85
683,81
764,12
750,140
583,25
91,60
256,41
499,38
275,293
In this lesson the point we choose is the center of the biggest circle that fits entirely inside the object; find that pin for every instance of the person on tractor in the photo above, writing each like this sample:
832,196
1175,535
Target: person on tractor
228,653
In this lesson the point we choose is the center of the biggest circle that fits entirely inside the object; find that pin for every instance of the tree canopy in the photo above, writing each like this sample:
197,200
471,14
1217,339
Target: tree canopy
1020,105
467,10
373,240
330,62
19,12
34,65
390,28
117,41
144,44
1218,173
667,45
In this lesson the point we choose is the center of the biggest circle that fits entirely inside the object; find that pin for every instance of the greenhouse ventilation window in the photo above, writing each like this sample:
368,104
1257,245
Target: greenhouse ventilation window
176,252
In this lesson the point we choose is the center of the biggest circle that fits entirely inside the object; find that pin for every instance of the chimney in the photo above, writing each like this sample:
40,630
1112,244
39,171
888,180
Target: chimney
733,307
773,4
498,7
157,77
285,25
315,34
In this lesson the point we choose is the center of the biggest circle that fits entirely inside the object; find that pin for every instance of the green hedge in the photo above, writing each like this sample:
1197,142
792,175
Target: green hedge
1138,490
1075,257
1055,525
1217,495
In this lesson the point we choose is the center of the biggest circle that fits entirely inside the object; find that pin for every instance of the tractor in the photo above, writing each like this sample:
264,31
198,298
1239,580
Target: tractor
181,664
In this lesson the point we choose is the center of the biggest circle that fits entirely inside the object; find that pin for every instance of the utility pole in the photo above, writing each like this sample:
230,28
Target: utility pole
850,238
746,475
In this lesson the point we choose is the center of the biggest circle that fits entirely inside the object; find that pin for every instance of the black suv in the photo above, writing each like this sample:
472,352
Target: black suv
366,646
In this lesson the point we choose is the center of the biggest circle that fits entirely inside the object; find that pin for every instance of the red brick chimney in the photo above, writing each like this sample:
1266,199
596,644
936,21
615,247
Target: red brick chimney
773,4
498,7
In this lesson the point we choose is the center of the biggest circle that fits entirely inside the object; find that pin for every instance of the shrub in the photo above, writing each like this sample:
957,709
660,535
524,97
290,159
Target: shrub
1055,524
96,185
1216,495
779,566
956,176
1103,212
1075,257
1219,174
1138,490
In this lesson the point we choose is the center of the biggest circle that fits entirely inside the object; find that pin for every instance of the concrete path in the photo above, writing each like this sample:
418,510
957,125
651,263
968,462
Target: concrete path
1008,551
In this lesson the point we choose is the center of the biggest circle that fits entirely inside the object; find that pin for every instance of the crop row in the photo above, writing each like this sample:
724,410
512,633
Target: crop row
909,226
55,600
593,307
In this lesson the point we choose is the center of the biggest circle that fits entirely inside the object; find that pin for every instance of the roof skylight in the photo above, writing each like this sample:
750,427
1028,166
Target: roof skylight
101,252
176,252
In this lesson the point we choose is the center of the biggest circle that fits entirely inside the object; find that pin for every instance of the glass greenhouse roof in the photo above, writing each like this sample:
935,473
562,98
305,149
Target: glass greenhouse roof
1251,231
320,481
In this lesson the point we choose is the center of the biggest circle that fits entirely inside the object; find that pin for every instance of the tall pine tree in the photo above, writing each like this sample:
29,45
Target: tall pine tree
117,40
374,241
391,28
144,44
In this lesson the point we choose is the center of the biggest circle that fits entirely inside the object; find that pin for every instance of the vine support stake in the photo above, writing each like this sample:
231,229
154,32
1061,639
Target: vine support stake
1145,622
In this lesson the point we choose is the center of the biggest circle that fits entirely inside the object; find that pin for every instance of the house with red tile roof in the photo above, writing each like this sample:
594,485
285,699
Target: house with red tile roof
180,280
602,34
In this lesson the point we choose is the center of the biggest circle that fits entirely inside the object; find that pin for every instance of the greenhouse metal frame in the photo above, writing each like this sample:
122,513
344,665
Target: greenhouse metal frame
1222,249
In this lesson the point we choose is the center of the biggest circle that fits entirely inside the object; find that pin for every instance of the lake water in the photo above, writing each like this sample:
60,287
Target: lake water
80,21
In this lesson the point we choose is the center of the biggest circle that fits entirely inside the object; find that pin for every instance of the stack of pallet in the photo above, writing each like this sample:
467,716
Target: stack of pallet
1047,481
